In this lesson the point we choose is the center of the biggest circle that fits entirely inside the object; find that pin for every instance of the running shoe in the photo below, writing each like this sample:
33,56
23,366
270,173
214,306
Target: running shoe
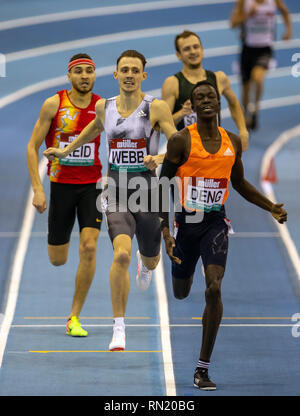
143,277
254,122
202,381
74,329
117,342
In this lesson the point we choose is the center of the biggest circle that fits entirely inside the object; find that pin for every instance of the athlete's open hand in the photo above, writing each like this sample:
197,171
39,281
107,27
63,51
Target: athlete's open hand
39,201
170,244
52,152
279,213
287,35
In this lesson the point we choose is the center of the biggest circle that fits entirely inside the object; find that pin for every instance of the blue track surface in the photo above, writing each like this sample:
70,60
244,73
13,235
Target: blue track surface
255,353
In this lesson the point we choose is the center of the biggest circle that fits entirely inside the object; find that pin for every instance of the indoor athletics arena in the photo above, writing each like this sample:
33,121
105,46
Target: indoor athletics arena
257,350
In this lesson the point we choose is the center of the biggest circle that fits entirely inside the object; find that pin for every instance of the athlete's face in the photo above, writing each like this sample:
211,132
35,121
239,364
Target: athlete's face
205,101
130,74
82,78
190,51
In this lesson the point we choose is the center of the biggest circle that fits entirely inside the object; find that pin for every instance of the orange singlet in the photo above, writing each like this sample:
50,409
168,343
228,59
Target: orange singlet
203,179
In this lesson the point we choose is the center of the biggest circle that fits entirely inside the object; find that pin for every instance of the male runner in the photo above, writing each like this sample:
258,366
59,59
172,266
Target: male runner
131,122
72,179
204,158
257,19
176,90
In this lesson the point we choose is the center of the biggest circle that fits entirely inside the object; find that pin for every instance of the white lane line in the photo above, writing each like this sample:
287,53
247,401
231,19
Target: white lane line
17,266
32,89
114,10
269,155
170,381
156,61
105,11
161,294
46,84
139,34
76,234
112,38
153,62
259,234
271,103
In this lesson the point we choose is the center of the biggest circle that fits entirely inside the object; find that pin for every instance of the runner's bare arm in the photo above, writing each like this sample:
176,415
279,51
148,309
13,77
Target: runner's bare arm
160,115
169,94
234,107
251,194
176,150
238,15
175,156
40,130
91,131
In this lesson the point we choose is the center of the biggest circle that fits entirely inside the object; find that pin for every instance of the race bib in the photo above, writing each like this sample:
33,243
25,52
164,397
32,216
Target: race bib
260,31
83,156
205,194
261,25
190,119
128,154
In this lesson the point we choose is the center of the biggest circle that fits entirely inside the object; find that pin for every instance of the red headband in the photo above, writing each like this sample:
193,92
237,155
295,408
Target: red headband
81,61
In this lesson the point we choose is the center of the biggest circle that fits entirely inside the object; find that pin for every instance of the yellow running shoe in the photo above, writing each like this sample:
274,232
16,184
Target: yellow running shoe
74,329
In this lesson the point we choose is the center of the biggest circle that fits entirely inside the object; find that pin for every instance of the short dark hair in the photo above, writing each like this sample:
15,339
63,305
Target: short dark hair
185,34
131,53
80,56
204,82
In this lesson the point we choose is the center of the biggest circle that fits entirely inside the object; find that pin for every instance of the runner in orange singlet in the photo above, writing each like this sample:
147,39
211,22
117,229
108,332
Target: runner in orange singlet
204,158
73,191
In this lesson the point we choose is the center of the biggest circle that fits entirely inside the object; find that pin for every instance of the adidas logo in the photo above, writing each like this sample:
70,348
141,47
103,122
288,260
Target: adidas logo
91,112
141,114
228,152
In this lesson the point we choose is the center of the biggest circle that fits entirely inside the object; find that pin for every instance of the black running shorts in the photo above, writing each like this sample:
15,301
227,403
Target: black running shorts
208,239
68,201
251,57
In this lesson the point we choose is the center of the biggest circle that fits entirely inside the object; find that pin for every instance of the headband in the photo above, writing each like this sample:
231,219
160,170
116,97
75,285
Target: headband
81,61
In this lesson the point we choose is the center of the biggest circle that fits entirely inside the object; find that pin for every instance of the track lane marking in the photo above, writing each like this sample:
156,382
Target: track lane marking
105,11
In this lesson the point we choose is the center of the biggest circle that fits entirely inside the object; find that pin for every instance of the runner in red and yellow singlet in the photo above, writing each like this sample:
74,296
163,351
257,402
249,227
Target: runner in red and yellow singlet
73,191
204,158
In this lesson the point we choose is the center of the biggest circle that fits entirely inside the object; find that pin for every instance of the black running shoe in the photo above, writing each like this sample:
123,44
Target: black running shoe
202,381
248,119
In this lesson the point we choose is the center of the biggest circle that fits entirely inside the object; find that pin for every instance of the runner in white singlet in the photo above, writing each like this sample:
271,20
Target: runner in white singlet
132,121
257,19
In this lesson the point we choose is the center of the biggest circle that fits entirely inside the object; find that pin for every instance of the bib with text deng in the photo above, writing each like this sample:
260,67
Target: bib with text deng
205,194
128,154
83,156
